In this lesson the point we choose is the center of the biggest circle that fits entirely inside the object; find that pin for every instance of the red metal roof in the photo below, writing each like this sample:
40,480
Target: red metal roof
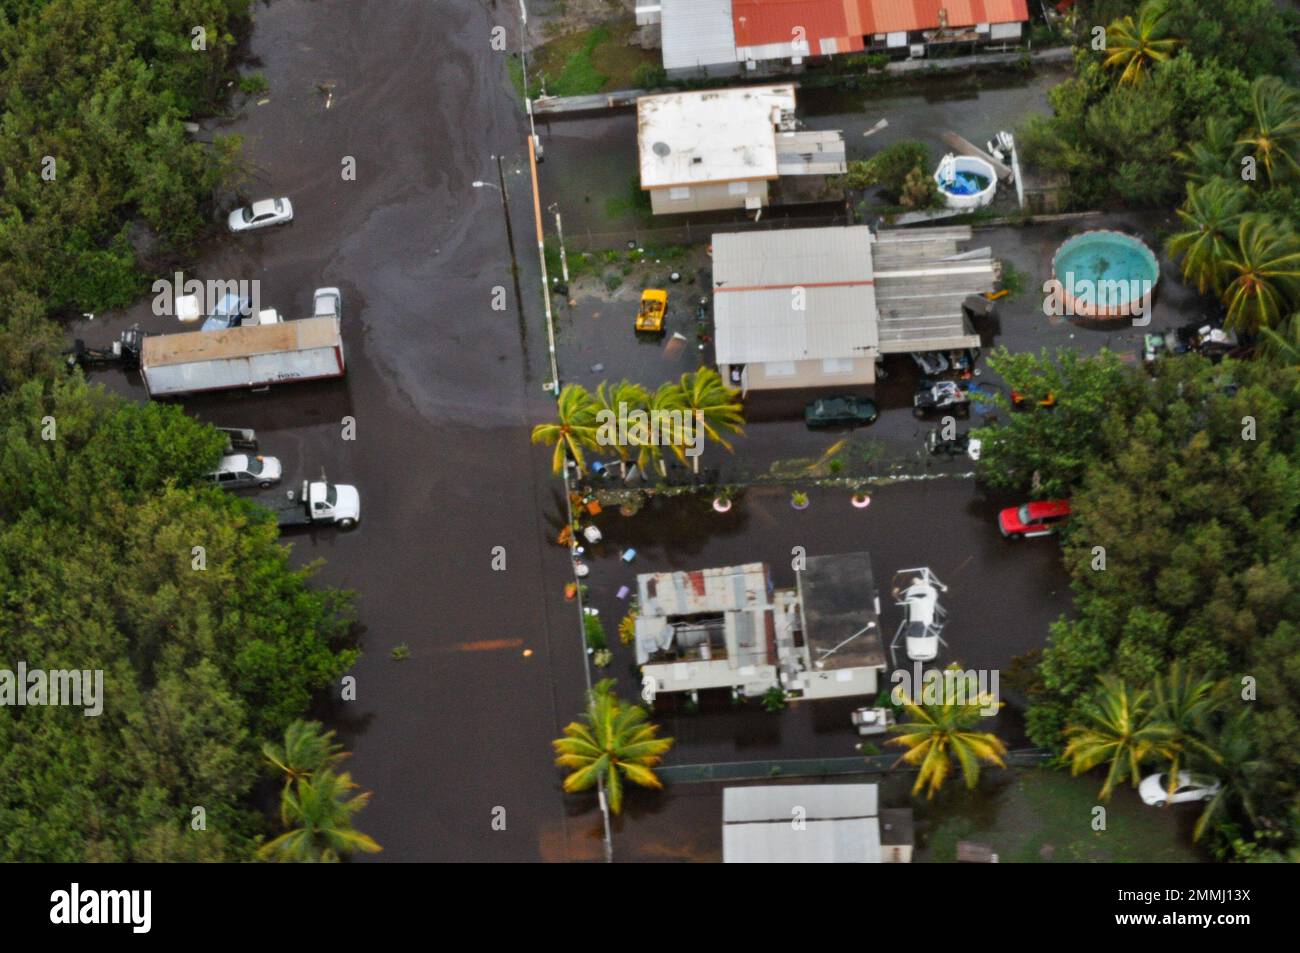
762,22
894,16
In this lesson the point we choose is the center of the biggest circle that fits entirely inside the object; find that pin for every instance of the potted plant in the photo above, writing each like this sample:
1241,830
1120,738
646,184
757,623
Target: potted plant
860,500
799,500
722,502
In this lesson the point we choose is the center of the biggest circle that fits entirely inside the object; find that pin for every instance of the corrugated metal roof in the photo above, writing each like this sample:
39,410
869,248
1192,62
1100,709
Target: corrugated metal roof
776,802
841,24
894,16
855,841
811,152
756,302
839,824
697,33
758,23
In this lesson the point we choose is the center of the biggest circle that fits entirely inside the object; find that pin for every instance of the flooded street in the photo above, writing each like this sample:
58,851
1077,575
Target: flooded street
443,390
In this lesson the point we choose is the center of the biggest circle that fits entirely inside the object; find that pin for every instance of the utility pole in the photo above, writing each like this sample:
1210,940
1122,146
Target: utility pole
523,62
559,231
546,281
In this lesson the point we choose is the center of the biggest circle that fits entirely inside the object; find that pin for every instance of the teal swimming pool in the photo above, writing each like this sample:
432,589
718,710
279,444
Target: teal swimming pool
1106,274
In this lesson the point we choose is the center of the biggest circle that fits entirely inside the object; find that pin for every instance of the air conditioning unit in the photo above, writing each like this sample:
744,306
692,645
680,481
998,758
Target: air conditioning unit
916,51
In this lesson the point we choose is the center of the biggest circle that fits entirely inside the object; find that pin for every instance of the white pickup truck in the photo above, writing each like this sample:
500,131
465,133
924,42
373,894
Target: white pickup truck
319,502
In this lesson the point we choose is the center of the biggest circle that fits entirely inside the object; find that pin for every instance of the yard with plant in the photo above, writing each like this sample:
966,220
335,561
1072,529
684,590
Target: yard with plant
600,59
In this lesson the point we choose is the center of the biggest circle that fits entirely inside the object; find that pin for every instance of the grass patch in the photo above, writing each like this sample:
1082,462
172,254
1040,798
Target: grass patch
1039,813
1012,280
598,60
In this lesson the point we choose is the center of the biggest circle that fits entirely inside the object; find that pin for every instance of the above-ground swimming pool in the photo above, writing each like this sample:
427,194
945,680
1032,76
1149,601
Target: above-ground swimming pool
975,183
1105,274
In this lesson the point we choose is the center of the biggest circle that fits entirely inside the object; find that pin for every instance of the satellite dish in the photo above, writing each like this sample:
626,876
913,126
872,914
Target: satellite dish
661,149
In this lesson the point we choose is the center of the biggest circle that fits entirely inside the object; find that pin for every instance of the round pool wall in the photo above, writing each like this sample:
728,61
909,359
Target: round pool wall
1105,274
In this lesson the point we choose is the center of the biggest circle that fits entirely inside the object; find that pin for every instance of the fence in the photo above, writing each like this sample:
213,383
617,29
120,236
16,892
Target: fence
582,239
816,767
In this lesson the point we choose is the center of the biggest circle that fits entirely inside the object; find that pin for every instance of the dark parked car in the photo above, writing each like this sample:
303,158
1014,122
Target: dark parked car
840,412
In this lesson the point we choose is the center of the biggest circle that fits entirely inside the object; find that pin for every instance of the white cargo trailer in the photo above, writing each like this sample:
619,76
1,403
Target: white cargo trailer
252,357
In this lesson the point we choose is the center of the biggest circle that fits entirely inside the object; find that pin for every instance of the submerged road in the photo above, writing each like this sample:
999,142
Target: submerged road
443,390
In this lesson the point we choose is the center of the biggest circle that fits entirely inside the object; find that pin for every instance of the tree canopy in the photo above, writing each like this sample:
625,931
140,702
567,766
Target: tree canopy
208,653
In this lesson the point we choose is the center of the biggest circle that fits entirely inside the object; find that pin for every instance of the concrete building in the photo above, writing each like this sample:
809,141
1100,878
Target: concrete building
811,824
721,149
816,307
730,628
774,35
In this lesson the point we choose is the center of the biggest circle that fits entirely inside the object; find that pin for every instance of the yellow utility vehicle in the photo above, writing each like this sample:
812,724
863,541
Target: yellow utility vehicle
650,317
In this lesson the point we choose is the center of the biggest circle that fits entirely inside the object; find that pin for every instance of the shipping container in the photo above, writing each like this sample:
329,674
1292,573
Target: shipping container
244,357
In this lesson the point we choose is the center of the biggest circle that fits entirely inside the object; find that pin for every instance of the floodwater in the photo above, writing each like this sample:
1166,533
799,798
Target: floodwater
592,160
443,390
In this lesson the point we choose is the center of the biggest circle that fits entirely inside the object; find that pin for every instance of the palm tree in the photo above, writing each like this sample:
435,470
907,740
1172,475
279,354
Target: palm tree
1117,731
318,814
615,402
1265,274
1212,156
1136,45
1182,705
1211,213
574,428
937,734
665,410
615,743
713,407
1237,766
1274,136
1282,345
307,748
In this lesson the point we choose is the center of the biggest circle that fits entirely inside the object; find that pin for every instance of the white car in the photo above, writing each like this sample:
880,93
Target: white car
238,470
1154,789
327,303
917,591
261,214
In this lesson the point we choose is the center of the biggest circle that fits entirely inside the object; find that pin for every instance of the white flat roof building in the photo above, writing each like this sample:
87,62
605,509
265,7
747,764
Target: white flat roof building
722,135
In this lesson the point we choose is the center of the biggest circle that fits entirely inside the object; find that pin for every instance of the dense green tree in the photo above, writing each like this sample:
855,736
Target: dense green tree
1190,500
206,652
1058,443
92,147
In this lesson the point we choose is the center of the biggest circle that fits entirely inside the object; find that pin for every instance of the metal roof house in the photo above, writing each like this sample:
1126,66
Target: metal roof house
731,628
816,307
774,34
808,823
720,149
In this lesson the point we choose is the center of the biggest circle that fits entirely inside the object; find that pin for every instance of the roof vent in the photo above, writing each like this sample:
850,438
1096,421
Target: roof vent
661,149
